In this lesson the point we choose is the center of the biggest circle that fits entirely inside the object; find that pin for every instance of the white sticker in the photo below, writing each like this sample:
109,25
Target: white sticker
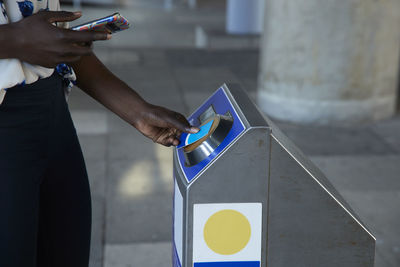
178,221
227,232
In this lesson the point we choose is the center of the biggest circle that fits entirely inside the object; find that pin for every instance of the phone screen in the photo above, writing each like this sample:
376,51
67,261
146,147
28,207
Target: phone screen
188,139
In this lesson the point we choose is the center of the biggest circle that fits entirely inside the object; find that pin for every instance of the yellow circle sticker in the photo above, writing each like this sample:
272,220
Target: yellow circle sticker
227,232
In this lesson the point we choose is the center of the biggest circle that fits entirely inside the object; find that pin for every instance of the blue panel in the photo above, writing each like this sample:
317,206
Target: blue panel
175,259
228,264
221,103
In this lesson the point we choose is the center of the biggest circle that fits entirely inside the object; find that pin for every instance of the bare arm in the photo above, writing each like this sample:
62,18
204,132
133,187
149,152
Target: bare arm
157,123
7,42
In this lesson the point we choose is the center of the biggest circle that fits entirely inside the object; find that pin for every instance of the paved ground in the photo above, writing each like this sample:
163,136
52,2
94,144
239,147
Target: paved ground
131,177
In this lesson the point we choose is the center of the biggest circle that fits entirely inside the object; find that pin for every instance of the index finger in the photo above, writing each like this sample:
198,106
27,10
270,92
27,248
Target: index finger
59,16
85,36
179,122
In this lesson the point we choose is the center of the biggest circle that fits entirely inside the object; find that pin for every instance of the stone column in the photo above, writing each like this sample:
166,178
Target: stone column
331,61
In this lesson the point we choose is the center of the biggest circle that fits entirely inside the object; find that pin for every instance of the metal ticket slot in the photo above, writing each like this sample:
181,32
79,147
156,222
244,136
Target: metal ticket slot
245,196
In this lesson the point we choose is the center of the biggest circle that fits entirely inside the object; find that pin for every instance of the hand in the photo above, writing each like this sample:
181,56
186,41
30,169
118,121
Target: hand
157,123
37,41
162,125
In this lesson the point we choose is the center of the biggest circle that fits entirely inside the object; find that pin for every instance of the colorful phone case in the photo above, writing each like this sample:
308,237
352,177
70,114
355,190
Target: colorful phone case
111,24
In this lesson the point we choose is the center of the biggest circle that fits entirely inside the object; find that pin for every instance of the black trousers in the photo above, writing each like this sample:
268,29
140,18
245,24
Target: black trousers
45,204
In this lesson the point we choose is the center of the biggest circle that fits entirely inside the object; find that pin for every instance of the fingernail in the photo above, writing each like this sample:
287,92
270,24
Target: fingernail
194,130
108,36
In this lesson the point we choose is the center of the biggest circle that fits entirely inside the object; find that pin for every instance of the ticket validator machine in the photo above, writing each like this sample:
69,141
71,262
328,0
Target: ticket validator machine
245,196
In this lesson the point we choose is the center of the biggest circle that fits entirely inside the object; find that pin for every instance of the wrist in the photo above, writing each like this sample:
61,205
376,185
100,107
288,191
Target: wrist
139,112
9,41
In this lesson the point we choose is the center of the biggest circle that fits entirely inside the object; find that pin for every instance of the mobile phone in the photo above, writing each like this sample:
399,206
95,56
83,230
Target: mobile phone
188,138
110,24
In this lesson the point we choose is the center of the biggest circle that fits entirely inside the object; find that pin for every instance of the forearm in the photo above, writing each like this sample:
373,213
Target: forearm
98,82
7,44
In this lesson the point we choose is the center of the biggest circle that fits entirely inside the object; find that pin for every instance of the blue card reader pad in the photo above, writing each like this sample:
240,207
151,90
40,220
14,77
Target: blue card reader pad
221,104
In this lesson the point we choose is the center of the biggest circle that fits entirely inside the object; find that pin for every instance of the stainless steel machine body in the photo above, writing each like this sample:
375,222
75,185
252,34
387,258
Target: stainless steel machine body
293,215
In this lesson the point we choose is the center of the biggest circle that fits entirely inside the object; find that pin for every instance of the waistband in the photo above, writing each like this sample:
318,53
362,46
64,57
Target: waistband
38,92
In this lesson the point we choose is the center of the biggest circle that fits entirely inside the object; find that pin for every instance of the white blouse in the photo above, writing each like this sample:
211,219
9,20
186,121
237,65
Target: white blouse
13,71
